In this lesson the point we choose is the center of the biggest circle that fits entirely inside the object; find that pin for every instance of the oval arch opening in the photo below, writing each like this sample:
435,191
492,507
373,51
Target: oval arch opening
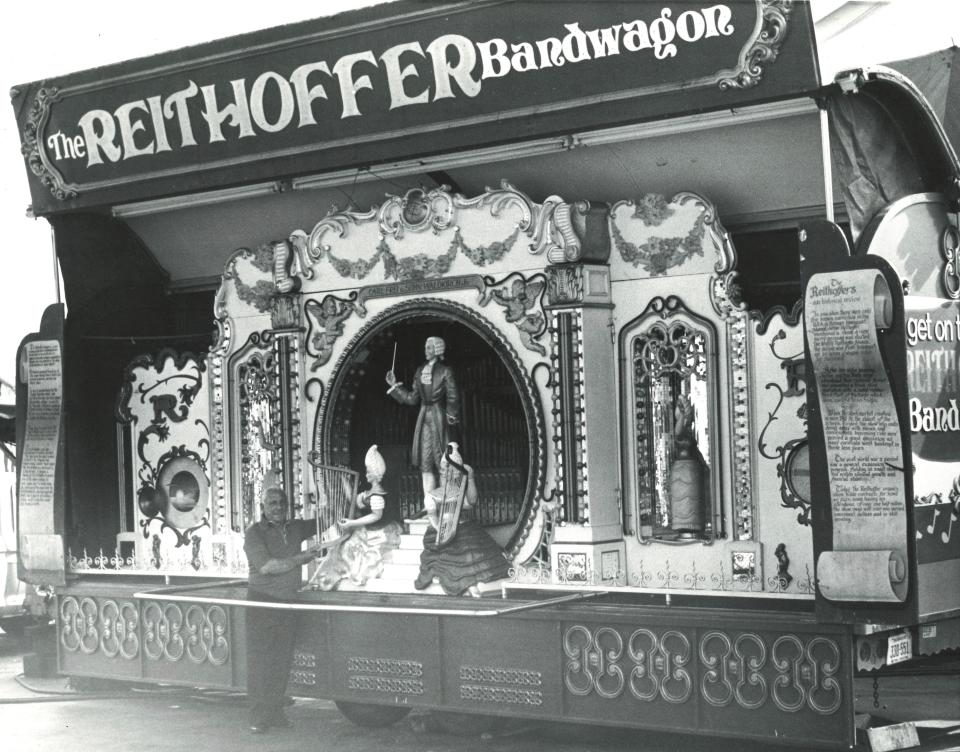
498,416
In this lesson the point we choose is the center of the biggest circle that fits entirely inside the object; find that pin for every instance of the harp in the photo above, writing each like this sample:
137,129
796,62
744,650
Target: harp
454,490
336,489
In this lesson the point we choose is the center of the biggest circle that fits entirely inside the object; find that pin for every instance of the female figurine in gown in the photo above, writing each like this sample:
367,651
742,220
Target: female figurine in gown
359,556
471,556
435,390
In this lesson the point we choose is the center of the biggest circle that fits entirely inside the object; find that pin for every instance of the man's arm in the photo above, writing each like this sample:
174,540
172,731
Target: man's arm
279,566
406,396
259,559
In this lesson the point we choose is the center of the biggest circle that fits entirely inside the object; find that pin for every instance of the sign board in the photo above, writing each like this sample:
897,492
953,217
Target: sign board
843,311
41,460
387,82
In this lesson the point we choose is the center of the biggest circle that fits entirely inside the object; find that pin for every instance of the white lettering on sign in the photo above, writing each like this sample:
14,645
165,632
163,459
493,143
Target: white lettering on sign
933,375
929,419
457,66
899,648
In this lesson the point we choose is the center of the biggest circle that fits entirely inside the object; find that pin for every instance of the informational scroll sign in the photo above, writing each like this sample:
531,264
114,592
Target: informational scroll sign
865,458
41,370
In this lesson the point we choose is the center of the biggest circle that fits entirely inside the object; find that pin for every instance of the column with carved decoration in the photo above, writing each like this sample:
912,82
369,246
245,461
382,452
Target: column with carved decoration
588,546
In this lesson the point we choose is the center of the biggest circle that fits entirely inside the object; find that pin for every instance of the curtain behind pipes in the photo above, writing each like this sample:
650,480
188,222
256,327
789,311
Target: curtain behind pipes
872,159
937,75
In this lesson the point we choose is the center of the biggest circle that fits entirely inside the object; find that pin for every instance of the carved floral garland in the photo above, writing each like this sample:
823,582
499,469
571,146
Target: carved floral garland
658,255
422,266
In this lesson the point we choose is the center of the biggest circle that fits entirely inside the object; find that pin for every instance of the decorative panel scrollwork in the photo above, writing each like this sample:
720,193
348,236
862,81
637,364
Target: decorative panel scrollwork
110,627
806,675
593,662
733,670
742,669
200,633
660,665
165,404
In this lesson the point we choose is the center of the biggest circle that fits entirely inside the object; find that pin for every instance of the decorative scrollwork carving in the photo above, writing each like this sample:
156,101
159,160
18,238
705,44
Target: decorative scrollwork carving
110,628
806,675
206,635
733,661
657,667
417,210
762,47
593,662
786,452
120,624
79,624
33,152
950,248
658,254
162,627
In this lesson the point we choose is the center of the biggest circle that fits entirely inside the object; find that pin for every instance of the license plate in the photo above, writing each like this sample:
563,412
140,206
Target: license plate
899,648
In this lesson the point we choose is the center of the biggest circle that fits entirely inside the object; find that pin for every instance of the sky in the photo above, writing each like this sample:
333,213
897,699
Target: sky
70,36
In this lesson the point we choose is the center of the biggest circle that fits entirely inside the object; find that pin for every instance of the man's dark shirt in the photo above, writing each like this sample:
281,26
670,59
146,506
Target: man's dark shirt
264,541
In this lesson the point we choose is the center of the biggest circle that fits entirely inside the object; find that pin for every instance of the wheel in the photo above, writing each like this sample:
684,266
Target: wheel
16,626
371,716
463,724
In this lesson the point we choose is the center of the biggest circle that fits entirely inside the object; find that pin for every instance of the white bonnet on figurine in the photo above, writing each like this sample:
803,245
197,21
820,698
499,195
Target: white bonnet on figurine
453,454
374,462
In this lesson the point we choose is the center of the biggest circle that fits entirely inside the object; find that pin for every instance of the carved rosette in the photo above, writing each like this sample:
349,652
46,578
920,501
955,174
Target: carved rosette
742,669
762,48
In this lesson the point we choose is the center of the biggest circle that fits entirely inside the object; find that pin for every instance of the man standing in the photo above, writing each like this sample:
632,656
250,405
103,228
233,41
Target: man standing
274,558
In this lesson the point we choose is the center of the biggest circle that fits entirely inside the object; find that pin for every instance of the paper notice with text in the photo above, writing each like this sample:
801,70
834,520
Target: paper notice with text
843,311
42,372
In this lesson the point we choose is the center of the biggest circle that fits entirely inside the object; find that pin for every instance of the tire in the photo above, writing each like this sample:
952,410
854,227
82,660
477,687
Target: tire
16,626
464,724
371,716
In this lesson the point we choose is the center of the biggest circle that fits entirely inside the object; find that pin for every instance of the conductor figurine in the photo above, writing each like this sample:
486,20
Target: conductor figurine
435,391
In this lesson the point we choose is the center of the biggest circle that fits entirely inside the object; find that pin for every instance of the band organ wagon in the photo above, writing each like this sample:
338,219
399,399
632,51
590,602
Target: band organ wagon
710,415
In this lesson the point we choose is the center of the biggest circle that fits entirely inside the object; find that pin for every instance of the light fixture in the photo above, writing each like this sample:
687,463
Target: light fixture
430,164
192,200
700,122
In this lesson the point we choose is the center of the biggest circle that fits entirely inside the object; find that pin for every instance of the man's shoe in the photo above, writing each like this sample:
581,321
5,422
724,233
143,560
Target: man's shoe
258,728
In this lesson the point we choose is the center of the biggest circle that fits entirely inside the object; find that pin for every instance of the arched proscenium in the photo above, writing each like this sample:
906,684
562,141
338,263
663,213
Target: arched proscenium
529,397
